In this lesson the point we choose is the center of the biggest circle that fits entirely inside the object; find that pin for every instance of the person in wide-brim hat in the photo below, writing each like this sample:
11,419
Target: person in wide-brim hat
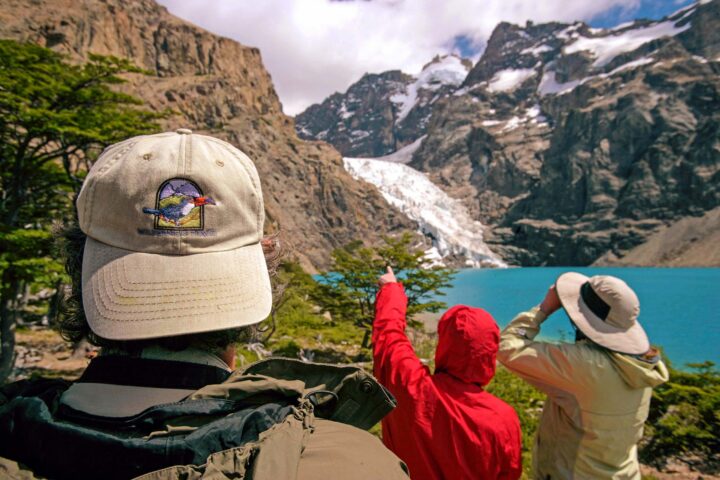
598,388
605,309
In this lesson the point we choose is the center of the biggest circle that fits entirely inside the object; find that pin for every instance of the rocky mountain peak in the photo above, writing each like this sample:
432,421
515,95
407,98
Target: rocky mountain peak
450,59
382,113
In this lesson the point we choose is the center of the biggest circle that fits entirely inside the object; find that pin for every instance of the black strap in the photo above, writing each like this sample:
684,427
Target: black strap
596,304
145,372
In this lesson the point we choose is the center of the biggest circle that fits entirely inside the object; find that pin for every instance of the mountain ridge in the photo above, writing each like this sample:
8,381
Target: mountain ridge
381,113
221,88
574,144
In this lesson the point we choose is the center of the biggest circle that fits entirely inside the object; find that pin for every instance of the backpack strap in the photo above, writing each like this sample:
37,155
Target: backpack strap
356,399
275,455
282,446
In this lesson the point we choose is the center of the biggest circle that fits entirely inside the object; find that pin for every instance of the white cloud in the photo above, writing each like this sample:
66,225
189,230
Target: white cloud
313,48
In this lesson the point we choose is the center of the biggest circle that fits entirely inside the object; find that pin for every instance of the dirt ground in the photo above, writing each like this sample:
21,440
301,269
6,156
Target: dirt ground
676,469
41,352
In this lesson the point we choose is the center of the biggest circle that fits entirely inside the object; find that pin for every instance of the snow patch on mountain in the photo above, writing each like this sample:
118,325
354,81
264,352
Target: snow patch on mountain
606,48
441,217
509,79
490,123
622,26
532,115
344,113
549,85
630,65
405,101
447,70
537,49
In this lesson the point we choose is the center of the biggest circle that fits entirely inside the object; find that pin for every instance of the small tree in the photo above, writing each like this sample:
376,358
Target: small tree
348,290
55,117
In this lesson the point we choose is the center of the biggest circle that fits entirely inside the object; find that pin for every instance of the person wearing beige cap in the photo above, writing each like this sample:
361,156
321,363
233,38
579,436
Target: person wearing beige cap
598,389
169,270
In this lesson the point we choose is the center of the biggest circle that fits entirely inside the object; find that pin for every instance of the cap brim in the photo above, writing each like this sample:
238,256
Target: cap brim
131,295
633,341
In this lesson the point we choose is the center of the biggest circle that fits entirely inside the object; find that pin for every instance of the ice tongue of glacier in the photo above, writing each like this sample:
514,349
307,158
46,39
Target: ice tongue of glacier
441,217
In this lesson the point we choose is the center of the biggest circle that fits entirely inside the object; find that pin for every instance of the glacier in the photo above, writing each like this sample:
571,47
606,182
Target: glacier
439,216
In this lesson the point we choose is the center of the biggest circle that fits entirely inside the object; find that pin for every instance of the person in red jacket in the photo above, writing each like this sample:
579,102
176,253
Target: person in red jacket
446,426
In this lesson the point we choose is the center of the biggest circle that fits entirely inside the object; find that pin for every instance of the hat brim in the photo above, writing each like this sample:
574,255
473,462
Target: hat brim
132,295
633,341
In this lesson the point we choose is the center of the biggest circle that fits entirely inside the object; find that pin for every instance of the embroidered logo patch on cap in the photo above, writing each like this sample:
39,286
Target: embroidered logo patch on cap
180,204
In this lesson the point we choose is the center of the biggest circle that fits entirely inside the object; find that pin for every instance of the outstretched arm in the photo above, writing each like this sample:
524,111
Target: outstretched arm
395,363
547,366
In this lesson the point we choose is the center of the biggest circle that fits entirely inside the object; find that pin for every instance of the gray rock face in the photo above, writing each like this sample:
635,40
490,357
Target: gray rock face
360,122
576,143
381,113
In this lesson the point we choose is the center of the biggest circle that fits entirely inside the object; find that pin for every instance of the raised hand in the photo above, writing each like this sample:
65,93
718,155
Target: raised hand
551,303
389,277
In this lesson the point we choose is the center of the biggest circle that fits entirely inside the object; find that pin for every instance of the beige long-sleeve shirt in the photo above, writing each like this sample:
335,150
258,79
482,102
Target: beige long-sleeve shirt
597,402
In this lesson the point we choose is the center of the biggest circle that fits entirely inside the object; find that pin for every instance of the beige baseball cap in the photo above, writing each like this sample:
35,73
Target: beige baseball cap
605,309
174,223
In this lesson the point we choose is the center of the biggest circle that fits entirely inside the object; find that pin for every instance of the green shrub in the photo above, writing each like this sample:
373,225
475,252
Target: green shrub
684,415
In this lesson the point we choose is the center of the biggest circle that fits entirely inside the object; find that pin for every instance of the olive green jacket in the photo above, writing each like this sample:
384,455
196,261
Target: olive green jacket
597,402
323,436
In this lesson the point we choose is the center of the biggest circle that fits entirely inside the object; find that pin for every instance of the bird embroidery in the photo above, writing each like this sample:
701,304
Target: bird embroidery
179,205
177,212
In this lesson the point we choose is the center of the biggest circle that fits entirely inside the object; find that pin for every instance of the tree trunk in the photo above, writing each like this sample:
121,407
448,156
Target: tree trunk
367,336
56,302
7,338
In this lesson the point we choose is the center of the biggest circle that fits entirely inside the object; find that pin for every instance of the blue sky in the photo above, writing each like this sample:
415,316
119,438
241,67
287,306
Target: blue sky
313,48
613,16
651,9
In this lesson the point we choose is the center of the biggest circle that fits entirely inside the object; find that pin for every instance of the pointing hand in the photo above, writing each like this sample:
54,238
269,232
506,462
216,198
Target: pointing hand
389,277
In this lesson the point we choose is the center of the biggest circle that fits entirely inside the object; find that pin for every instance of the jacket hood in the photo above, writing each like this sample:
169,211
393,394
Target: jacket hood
639,374
467,344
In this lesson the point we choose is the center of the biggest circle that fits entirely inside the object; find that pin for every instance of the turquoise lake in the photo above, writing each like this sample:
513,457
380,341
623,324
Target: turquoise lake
679,307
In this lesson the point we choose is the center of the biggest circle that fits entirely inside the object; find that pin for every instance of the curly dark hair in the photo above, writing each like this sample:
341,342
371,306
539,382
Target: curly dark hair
73,326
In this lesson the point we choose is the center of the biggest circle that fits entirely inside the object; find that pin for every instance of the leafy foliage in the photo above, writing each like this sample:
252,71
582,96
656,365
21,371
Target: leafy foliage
684,414
55,118
53,112
348,290
29,253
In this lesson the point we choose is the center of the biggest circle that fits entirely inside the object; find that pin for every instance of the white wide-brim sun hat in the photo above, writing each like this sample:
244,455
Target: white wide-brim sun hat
605,309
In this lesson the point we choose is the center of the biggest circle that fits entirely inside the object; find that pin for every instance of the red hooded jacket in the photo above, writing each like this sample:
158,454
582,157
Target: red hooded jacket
446,426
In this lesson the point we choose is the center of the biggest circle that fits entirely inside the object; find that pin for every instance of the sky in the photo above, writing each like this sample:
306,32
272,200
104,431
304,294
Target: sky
313,48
